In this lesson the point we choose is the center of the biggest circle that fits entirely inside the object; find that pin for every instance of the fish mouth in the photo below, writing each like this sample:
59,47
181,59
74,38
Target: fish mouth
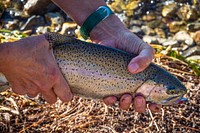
174,100
181,100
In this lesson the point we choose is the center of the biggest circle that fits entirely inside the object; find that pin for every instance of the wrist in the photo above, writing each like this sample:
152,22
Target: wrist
108,28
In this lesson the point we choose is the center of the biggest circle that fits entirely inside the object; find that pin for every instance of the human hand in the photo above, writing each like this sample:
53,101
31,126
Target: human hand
111,32
30,68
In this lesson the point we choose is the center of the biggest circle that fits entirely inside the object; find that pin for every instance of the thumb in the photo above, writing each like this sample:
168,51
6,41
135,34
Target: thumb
142,61
62,90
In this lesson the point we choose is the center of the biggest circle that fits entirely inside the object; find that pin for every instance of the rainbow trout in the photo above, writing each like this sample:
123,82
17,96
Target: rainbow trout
95,71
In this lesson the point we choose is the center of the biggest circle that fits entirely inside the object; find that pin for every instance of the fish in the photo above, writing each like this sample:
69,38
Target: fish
95,71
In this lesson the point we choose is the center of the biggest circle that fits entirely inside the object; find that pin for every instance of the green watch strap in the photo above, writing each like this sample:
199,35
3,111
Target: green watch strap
99,15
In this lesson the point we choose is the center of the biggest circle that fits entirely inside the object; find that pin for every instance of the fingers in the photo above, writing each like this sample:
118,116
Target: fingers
155,107
125,101
62,90
110,100
140,62
139,104
49,96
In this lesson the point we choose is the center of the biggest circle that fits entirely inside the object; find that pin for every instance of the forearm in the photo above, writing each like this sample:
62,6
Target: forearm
79,10
5,51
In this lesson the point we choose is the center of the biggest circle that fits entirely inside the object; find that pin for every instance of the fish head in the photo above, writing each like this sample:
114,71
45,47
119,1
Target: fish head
163,88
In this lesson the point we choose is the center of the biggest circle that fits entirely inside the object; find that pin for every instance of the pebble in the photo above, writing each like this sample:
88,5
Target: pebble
147,30
33,22
194,57
150,39
171,42
193,26
55,20
136,29
169,10
68,26
183,37
39,7
136,22
195,50
42,29
176,26
196,37
186,12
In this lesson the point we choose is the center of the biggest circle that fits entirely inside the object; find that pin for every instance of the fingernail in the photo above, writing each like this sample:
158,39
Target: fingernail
140,102
133,67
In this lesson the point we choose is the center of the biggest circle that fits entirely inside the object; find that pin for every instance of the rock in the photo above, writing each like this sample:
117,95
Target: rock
195,50
136,29
39,7
160,32
2,8
118,6
55,20
186,12
150,39
183,37
196,37
176,26
148,31
169,10
171,42
42,29
154,24
11,25
193,26
33,22
130,7
194,57
67,27
149,17
136,22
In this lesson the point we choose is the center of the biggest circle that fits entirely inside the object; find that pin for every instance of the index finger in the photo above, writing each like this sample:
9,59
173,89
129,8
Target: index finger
142,61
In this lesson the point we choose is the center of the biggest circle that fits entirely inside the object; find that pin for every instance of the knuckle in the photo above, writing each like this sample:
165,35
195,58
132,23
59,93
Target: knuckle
53,74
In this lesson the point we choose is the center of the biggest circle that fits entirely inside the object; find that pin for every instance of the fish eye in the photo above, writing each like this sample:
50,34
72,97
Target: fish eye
171,90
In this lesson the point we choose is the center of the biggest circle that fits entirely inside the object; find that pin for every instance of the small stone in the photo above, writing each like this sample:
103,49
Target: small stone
150,39
2,8
39,7
118,6
186,12
68,26
161,40
195,50
183,36
160,32
171,42
42,29
130,7
149,17
136,22
33,22
55,20
169,10
193,26
136,29
147,30
194,57
154,24
176,26
196,37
